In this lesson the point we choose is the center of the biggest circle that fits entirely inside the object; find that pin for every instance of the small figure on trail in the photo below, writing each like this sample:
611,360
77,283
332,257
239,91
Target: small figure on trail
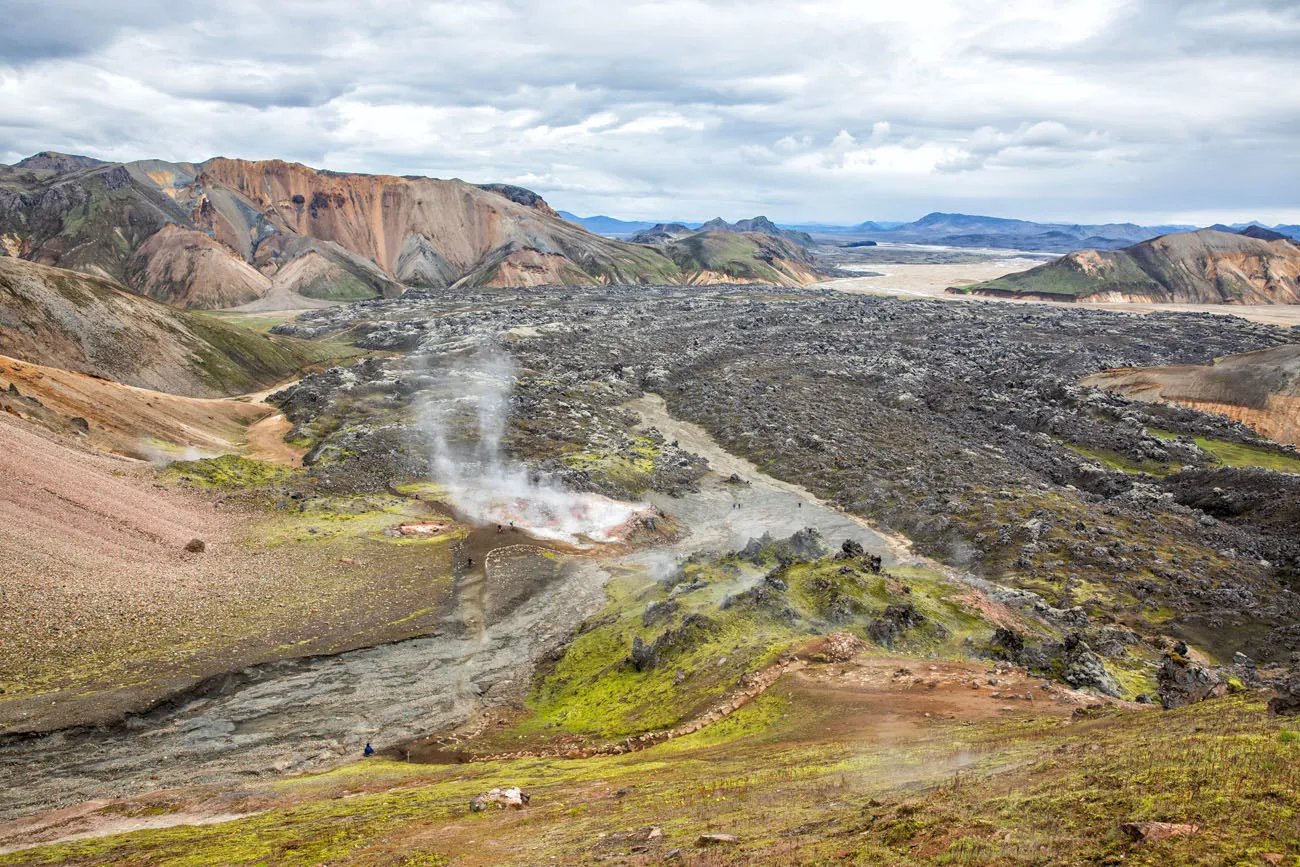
500,528
469,562
368,751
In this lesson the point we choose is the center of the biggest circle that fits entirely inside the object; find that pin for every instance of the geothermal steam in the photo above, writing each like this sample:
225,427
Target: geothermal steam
465,419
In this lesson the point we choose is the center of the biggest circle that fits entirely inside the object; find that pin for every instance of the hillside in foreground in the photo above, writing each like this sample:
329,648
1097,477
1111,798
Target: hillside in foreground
763,576
95,326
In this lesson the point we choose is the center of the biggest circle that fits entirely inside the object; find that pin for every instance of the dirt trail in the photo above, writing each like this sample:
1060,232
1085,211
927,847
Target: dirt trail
725,515
266,441
88,821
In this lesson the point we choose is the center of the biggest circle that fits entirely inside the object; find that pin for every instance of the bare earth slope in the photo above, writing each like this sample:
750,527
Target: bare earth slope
92,325
743,257
107,612
186,268
125,420
1188,267
1260,389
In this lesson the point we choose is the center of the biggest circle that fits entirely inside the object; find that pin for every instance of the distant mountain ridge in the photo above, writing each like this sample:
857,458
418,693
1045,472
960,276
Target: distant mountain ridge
1205,267
610,227
937,228
969,230
661,233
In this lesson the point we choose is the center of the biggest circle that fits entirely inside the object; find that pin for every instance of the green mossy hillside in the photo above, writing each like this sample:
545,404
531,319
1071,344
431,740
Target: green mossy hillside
661,652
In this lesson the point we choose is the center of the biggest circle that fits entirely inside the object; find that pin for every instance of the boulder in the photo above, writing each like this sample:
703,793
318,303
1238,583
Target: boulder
1083,668
195,546
1183,682
512,797
839,647
1287,700
1144,832
716,839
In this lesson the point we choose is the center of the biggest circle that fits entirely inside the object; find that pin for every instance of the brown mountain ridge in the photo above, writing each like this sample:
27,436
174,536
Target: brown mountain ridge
1202,267
226,232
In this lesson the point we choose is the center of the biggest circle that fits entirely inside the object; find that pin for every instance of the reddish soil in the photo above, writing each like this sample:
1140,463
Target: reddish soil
105,611
123,419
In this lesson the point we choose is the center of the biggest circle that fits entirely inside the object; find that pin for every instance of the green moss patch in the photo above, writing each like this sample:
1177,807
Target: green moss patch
228,472
1123,463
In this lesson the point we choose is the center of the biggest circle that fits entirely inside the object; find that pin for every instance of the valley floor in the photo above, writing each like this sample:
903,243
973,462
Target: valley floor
856,702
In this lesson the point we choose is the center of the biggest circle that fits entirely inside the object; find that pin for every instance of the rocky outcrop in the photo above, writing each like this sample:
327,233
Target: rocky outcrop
1287,700
1083,669
1204,267
1183,682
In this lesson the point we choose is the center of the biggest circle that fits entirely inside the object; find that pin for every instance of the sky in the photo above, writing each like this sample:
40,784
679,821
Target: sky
833,112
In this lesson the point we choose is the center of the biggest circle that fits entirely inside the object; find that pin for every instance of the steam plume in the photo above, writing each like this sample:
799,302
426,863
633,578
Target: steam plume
465,419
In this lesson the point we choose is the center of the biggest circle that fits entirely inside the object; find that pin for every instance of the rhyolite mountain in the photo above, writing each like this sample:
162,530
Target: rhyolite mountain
225,232
1202,267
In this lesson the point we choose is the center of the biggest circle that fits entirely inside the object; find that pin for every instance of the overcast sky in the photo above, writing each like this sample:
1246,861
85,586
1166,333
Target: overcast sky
812,111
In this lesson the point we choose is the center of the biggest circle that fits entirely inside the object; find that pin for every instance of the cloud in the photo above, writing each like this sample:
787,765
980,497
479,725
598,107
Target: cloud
822,110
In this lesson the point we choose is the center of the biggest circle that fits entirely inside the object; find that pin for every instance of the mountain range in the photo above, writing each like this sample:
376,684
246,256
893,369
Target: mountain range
950,230
227,232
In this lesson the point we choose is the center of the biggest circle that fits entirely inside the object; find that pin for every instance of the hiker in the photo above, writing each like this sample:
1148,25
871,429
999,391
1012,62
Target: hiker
368,751
500,528
469,563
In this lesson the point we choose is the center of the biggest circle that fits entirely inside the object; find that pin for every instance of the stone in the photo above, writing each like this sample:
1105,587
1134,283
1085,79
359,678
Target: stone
511,797
1143,832
195,546
716,839
649,832
840,647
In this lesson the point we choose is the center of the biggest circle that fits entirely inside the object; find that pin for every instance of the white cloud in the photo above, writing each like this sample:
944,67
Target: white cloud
826,110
